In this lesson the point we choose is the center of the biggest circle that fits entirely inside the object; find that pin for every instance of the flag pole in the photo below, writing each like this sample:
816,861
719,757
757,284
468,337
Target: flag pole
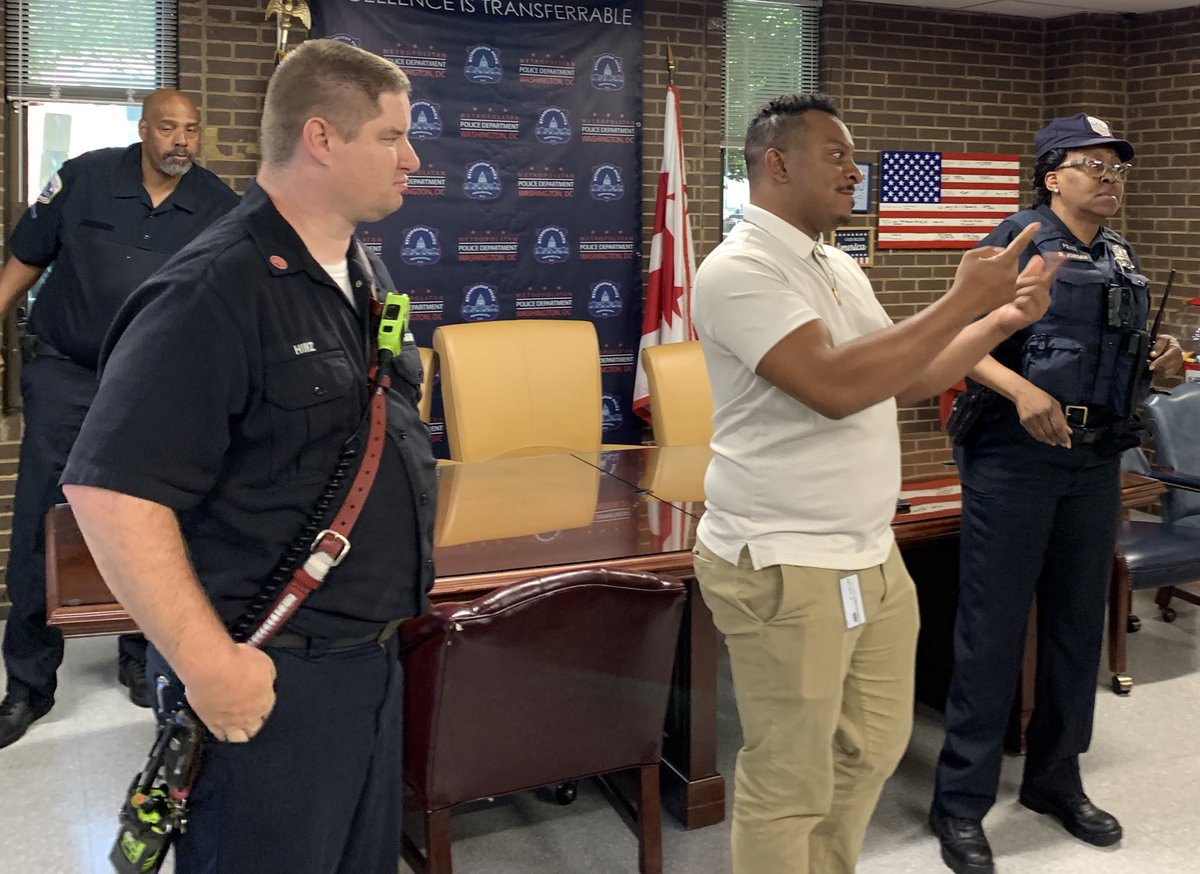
667,310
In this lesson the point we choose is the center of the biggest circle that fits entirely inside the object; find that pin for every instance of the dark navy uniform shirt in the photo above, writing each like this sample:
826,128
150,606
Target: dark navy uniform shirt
1078,315
230,381
95,224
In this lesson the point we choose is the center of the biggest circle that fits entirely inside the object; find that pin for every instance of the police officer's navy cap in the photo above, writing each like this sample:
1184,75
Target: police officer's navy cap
1078,132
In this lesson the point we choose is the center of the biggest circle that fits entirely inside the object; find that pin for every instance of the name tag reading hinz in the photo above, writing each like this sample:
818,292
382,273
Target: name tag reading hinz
852,601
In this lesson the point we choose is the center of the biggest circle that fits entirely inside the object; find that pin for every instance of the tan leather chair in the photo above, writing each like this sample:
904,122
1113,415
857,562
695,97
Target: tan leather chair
476,501
428,368
516,388
675,474
539,683
681,406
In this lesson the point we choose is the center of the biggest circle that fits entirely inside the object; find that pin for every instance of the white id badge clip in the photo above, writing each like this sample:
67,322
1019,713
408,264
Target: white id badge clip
852,601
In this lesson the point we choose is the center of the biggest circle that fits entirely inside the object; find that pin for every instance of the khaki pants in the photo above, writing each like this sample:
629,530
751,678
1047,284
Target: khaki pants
826,711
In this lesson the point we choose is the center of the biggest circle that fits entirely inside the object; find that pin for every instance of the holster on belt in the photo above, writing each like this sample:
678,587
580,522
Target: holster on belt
34,347
29,343
1111,438
1121,435
964,415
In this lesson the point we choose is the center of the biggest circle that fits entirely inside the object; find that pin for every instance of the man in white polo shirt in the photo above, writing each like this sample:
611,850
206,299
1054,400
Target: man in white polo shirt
795,554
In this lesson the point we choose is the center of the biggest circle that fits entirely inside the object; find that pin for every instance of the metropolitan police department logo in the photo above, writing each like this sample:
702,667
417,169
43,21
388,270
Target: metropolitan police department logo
606,183
607,74
604,302
483,65
611,415
552,126
552,246
420,247
479,303
347,39
482,181
426,121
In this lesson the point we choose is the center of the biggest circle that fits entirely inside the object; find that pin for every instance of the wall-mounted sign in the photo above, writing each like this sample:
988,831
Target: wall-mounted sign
858,243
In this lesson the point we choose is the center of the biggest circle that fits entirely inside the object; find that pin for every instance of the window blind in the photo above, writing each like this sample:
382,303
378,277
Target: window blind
771,48
91,51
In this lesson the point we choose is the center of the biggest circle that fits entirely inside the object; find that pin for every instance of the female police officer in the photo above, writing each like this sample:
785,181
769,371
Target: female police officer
1041,489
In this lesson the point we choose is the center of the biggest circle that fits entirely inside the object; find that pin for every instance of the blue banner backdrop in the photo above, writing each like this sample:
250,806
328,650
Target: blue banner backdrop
528,202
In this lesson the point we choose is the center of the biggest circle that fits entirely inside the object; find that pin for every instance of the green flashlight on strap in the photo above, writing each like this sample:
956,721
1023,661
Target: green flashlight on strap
392,323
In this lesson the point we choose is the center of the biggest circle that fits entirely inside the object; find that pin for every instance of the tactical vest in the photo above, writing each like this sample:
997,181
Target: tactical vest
1091,346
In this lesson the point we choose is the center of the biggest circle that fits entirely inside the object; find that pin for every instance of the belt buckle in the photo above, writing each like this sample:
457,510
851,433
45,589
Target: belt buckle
1069,410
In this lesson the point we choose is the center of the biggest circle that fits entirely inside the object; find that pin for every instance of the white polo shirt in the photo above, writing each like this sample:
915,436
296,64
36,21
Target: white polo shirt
795,487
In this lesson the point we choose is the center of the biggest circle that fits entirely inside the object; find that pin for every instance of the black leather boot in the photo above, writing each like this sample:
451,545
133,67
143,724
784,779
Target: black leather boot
965,848
1078,815
16,716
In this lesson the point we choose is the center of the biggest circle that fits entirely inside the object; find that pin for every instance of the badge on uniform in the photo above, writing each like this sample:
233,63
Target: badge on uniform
1121,256
51,190
852,601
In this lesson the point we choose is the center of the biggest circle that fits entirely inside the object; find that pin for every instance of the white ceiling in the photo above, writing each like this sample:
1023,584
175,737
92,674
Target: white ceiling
1051,9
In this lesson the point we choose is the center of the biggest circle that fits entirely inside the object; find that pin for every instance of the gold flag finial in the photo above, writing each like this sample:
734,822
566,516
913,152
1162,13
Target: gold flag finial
670,65
285,11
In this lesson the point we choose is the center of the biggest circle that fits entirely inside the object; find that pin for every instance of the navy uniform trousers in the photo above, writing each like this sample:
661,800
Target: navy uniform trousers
319,789
56,394
1037,520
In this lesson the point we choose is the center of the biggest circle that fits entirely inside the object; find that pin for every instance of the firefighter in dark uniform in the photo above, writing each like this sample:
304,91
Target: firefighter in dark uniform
234,386
104,222
1040,473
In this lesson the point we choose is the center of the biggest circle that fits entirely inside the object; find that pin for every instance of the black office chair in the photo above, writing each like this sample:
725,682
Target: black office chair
1160,555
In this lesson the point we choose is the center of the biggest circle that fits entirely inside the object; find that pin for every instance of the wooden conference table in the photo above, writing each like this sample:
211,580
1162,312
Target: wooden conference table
927,534
505,520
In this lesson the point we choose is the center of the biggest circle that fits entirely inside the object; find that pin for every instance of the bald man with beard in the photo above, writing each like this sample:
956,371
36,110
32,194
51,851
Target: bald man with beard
105,221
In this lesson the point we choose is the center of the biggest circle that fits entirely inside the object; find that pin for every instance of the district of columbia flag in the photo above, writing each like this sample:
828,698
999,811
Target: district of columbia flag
667,317
671,528
944,200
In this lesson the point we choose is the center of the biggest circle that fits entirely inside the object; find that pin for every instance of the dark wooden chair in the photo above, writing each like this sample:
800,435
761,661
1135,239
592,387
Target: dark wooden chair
1159,555
540,683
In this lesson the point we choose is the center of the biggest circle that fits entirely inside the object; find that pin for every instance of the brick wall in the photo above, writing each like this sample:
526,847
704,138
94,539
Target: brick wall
929,79
1163,204
695,30
1085,72
226,55
922,79
1085,67
904,77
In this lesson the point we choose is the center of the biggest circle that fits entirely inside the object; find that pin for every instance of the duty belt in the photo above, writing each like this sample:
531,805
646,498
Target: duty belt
1082,417
34,347
1089,436
291,640
1091,426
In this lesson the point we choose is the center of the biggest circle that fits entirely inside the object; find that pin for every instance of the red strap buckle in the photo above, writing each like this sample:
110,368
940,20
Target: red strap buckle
332,545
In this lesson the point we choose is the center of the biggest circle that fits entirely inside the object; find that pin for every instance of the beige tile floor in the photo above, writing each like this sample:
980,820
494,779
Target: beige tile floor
60,786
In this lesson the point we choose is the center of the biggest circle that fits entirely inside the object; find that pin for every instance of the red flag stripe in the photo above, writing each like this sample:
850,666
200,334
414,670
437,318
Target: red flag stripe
667,315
